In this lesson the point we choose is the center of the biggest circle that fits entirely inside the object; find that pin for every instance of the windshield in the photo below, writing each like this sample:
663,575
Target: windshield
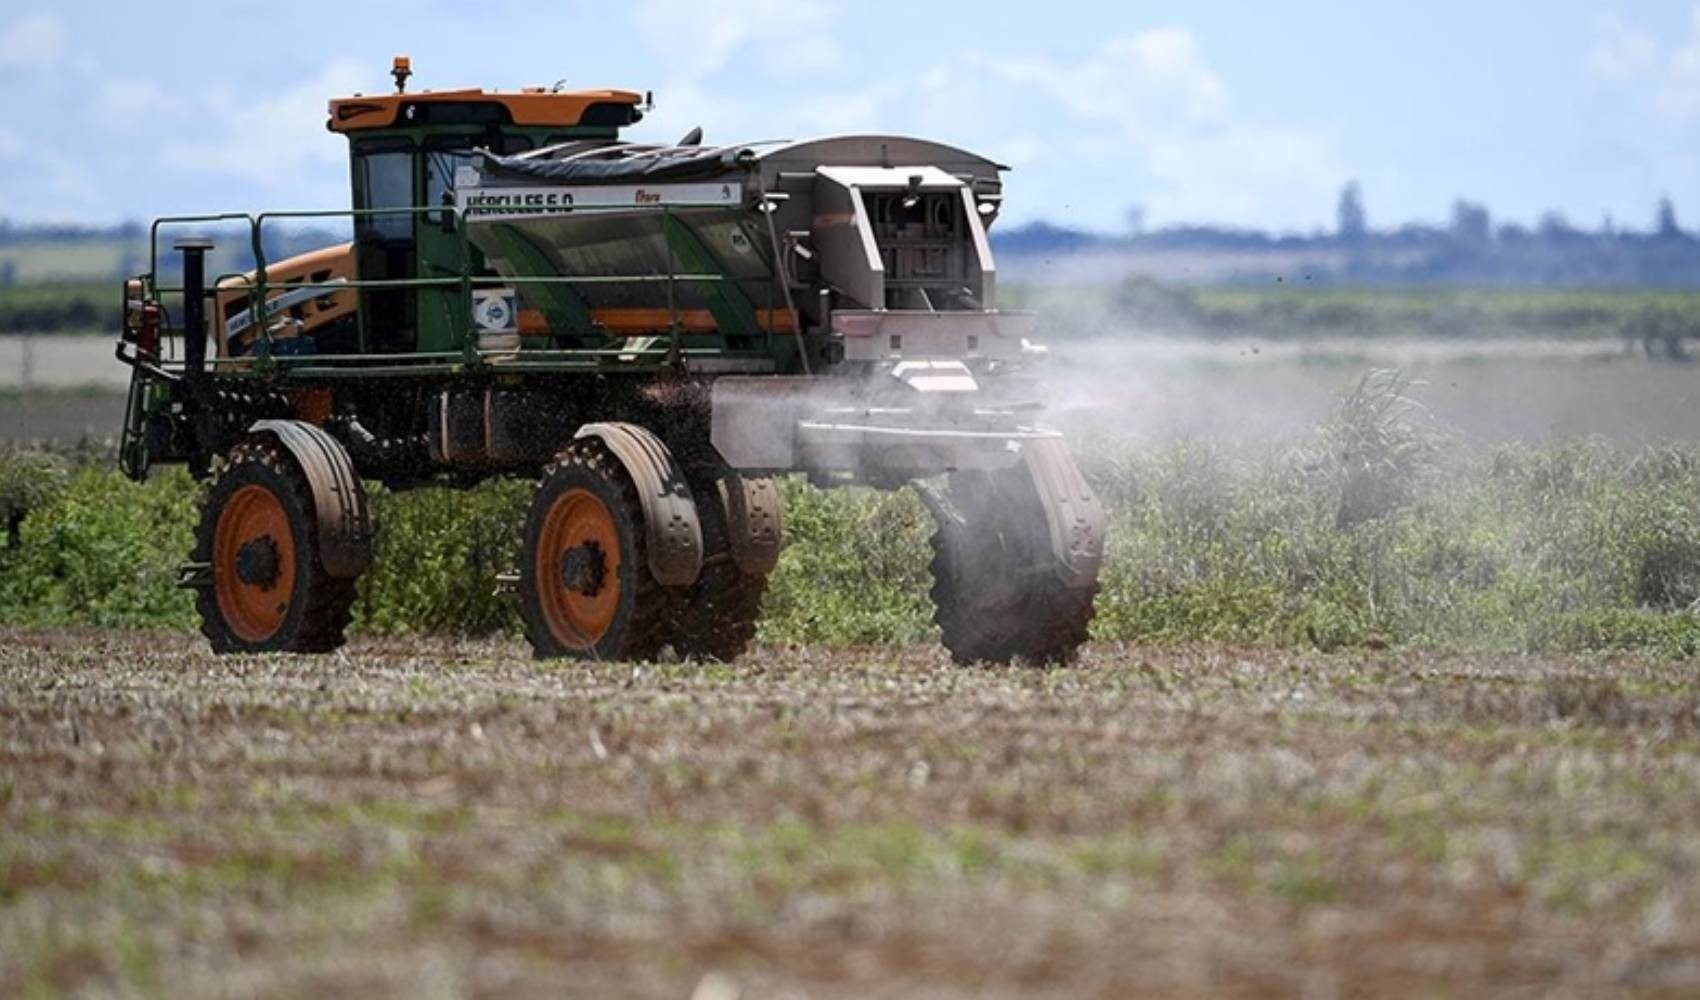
440,167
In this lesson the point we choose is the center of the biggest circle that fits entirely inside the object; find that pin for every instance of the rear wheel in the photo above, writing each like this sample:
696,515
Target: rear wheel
996,594
258,534
717,618
586,589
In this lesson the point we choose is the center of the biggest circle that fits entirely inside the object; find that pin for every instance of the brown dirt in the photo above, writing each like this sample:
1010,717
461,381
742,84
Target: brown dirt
412,817
1490,391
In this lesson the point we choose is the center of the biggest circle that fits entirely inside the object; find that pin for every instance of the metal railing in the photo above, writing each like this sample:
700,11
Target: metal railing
259,289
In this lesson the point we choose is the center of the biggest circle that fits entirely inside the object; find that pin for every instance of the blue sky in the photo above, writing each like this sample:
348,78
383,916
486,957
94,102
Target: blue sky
1217,111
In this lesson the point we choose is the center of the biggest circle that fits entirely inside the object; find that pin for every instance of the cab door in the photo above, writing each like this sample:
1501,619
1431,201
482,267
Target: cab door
443,312
385,247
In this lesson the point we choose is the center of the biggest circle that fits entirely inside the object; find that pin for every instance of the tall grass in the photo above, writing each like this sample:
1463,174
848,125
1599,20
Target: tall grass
1375,530
1378,531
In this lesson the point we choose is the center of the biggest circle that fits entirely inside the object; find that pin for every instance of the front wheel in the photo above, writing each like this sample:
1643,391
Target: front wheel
586,590
997,596
269,591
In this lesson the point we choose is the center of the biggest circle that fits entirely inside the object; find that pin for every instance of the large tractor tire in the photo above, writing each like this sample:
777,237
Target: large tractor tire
586,588
997,593
716,619
258,535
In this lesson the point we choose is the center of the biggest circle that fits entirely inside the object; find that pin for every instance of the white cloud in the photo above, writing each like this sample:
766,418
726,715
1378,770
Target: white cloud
1171,113
133,105
1155,74
278,143
33,42
1140,119
45,176
1621,53
698,39
54,183
1663,78
1245,173
1679,96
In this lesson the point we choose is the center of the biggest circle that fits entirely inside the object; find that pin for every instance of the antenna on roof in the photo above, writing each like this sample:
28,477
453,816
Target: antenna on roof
401,69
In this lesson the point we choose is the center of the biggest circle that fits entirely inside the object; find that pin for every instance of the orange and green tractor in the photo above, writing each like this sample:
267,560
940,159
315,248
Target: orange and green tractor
651,333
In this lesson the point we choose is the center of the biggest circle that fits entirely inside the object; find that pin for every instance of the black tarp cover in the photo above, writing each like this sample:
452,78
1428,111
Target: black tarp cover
618,162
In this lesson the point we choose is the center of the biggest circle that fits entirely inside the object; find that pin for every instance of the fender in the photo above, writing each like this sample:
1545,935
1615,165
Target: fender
339,500
1073,513
673,529
753,523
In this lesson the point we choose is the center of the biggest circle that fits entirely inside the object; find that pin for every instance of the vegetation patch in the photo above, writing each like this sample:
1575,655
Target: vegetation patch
1376,530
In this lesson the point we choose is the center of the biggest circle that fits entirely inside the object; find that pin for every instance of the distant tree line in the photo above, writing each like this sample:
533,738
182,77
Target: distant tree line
1469,250
14,233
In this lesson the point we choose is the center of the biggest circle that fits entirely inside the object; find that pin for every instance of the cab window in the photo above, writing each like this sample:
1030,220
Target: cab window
440,167
387,179
444,156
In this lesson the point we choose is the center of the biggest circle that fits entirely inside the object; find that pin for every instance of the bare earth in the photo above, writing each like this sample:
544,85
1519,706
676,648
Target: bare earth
1151,390
448,818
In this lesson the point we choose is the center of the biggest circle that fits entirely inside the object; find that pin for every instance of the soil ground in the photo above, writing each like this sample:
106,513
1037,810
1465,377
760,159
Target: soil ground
454,818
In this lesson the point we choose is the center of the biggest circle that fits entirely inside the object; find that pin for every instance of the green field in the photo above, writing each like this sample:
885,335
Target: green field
62,307
1375,529
1299,311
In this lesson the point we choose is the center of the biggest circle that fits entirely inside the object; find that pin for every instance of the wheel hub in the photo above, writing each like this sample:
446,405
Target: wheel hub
577,566
584,568
257,562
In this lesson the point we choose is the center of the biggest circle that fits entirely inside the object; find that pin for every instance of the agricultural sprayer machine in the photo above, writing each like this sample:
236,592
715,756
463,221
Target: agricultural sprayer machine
651,332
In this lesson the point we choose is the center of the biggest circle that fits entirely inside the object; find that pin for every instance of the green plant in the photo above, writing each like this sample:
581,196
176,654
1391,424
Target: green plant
1375,448
102,551
437,557
1368,533
854,569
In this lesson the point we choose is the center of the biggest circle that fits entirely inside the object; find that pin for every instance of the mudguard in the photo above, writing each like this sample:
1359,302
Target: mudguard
339,500
674,532
1073,513
753,523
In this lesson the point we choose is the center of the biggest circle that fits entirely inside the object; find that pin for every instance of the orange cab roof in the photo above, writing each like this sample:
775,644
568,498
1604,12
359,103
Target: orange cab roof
531,106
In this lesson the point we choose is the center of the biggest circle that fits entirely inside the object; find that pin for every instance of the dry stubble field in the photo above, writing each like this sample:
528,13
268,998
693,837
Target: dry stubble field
453,818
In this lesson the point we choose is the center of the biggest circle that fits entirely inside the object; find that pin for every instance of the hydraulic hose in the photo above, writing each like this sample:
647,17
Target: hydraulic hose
779,272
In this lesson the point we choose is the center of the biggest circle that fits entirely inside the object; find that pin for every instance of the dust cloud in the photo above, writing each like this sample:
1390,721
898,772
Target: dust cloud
1104,378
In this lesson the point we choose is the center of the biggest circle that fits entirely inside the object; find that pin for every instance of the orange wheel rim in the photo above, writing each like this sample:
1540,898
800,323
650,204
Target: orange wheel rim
578,568
253,563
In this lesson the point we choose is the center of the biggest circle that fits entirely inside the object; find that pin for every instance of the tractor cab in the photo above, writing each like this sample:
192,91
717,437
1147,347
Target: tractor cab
404,149
403,152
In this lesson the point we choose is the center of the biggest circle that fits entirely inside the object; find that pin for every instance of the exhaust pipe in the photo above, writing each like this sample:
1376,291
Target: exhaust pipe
194,250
